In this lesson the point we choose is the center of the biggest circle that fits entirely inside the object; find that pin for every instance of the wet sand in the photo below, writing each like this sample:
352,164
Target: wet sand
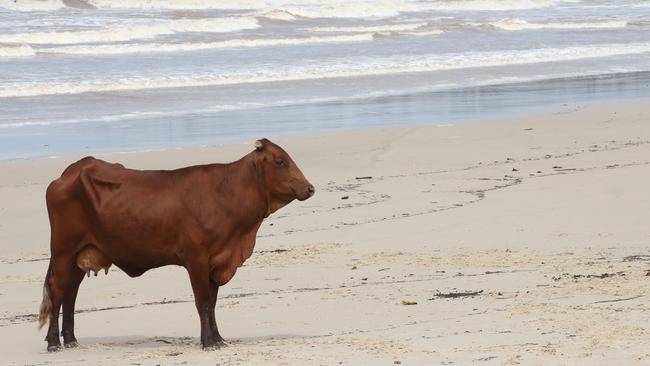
519,241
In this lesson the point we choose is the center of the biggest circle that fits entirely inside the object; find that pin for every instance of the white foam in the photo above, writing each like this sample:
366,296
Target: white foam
31,5
334,8
16,51
119,34
520,24
301,8
377,28
494,5
179,47
276,15
362,66
348,9
179,4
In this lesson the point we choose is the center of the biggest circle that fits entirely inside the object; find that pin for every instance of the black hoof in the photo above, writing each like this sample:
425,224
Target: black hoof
54,348
216,347
71,344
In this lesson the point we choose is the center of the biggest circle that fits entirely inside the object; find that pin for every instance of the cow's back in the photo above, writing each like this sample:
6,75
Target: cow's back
86,206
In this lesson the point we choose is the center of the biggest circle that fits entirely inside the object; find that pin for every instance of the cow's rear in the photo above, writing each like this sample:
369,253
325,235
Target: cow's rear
72,255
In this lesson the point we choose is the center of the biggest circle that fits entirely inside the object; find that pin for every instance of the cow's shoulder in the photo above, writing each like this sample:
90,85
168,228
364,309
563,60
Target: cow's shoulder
100,179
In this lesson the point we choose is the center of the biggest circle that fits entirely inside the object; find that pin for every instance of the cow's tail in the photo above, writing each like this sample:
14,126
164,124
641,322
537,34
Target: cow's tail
46,304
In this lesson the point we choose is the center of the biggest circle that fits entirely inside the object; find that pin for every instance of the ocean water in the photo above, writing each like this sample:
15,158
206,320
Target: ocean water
102,75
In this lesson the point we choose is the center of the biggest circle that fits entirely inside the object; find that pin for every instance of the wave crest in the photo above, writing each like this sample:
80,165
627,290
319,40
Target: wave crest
180,47
520,24
16,51
356,68
216,25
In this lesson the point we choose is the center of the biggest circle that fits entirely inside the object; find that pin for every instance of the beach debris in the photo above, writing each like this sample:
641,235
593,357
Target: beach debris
409,302
272,251
488,358
453,295
618,300
364,177
577,276
345,197
515,169
637,258
528,129
397,362
354,267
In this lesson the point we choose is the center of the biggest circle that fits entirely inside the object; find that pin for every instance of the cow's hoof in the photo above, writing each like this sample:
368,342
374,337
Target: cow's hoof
54,348
216,346
71,344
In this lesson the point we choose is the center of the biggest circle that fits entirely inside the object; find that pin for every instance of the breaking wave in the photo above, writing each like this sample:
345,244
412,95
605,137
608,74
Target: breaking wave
520,24
216,25
351,68
35,5
494,5
305,8
377,28
178,47
16,51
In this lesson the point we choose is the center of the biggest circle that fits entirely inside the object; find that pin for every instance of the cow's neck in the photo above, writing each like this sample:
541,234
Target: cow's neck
249,191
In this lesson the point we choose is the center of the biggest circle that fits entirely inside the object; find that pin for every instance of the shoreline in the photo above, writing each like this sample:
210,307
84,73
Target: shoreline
455,106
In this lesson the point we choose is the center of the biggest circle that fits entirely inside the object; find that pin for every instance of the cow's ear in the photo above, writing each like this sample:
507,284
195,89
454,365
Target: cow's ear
259,145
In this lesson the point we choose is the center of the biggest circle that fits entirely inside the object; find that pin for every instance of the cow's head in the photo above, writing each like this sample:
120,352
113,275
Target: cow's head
280,175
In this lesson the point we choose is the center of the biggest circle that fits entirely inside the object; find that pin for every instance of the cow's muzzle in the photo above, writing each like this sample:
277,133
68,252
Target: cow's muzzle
308,192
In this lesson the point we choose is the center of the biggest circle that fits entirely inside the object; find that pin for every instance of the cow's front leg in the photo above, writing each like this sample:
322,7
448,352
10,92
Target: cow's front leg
214,291
200,279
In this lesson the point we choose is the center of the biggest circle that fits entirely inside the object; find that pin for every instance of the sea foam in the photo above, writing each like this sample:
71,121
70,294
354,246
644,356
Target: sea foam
114,49
16,51
361,66
135,32
520,24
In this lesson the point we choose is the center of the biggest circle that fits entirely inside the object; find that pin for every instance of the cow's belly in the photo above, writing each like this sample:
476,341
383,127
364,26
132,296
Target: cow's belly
132,249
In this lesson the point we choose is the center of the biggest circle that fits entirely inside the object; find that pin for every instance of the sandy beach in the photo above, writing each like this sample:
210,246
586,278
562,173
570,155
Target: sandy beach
518,241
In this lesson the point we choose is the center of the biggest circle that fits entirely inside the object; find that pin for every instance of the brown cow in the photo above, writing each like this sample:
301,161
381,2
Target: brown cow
204,218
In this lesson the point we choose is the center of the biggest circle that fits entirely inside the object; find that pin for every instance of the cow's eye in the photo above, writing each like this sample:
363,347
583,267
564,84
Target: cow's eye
279,163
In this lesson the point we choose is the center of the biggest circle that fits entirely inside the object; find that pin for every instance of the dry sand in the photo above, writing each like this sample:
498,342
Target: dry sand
545,217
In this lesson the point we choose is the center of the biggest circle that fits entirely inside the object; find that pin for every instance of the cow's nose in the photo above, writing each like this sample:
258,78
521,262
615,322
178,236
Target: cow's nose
311,190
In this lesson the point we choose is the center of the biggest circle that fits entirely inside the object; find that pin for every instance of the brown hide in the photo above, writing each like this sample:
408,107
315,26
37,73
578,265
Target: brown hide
204,218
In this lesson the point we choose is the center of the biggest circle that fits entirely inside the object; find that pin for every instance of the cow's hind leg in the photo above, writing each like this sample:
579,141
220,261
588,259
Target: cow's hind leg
70,296
214,291
57,283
